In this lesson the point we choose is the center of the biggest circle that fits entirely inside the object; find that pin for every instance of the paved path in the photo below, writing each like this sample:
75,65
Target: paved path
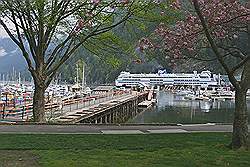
111,129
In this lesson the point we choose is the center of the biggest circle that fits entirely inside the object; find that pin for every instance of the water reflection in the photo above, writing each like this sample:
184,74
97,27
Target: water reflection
175,109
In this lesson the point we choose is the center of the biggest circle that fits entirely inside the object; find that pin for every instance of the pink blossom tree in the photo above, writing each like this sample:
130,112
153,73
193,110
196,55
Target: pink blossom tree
222,26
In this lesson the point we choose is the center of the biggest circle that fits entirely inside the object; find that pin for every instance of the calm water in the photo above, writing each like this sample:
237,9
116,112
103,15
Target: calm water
174,109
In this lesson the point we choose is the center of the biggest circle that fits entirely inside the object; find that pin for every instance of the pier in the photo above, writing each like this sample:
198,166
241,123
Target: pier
101,108
56,107
118,110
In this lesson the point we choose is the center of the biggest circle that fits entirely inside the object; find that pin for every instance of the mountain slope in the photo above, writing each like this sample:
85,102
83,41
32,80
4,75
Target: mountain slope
10,56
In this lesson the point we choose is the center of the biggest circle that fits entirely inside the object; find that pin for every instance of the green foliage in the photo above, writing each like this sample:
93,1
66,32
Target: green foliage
114,62
110,53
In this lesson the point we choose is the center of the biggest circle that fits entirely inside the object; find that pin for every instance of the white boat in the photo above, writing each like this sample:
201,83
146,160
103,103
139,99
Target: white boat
223,95
145,104
248,94
205,106
184,92
154,101
190,97
203,79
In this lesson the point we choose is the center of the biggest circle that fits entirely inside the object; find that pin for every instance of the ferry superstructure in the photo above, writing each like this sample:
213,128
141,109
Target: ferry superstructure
203,79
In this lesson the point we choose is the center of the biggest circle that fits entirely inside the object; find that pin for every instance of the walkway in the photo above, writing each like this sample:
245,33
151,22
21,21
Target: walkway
112,129
78,114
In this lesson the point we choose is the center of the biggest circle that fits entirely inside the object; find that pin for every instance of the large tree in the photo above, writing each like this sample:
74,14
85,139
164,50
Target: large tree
222,29
48,32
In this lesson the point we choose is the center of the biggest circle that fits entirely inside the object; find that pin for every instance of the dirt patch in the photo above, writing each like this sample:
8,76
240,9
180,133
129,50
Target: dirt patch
14,158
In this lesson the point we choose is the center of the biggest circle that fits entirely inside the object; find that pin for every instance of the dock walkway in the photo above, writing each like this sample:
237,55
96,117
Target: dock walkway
56,109
105,111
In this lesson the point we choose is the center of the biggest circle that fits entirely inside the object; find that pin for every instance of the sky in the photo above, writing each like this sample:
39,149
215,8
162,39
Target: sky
3,34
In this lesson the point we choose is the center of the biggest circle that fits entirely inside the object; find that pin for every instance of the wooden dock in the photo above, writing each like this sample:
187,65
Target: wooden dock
114,111
24,112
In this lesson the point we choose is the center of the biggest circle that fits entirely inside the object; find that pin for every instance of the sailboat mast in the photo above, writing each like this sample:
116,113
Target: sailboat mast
19,78
83,77
77,73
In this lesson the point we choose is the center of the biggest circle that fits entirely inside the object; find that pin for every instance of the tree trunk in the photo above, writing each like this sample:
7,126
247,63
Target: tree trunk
240,125
39,104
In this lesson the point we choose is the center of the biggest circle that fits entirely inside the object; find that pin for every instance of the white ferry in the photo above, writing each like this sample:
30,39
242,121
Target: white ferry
203,79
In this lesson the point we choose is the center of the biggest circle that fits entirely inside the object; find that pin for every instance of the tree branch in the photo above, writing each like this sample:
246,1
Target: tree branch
214,46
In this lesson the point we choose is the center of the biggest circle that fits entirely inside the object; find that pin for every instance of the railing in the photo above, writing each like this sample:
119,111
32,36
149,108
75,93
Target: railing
75,104
55,109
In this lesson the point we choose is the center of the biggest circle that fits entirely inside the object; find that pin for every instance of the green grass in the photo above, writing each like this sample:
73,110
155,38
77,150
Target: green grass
159,150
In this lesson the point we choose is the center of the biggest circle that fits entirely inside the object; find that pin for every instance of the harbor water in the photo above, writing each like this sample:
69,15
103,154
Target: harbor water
173,108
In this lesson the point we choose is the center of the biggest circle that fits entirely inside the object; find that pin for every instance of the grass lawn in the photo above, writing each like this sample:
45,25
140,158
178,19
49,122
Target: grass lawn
154,150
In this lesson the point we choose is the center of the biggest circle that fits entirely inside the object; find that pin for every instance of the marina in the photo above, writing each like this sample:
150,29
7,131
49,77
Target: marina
105,104
16,105
174,108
